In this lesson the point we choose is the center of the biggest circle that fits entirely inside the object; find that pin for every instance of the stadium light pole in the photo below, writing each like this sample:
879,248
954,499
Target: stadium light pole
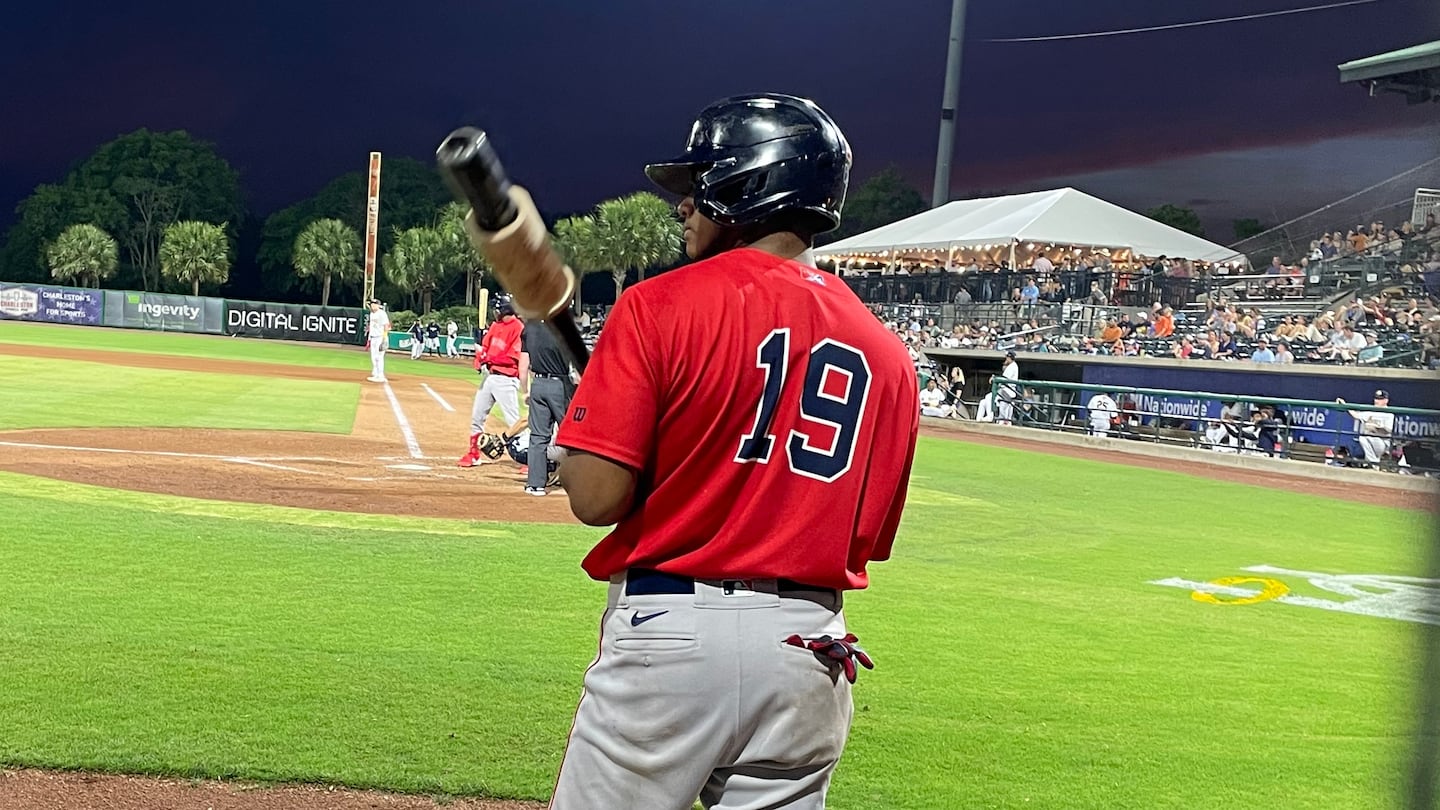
947,107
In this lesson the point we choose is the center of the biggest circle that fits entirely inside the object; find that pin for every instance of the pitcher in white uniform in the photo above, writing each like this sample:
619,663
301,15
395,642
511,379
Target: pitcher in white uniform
378,334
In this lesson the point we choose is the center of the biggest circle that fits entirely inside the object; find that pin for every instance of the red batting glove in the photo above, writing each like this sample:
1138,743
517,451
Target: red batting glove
843,651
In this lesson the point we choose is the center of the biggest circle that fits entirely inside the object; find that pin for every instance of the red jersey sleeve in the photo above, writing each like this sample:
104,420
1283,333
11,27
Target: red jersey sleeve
614,410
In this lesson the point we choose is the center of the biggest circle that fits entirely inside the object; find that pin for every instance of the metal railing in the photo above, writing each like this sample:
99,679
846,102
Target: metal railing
1311,430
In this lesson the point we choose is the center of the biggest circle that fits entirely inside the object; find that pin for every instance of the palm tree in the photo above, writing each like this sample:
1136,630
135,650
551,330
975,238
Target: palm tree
195,252
578,240
638,231
419,261
81,254
327,248
460,252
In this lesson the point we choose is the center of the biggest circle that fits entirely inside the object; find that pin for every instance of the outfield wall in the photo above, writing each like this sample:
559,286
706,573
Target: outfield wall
163,312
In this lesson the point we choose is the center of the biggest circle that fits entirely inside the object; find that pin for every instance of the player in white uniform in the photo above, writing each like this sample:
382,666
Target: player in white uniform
1005,407
378,332
1377,430
932,401
451,335
1102,408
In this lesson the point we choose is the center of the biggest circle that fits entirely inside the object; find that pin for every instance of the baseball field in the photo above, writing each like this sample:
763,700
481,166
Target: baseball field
236,559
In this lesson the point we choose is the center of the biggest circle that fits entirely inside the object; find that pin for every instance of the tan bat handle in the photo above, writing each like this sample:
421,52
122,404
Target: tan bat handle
525,263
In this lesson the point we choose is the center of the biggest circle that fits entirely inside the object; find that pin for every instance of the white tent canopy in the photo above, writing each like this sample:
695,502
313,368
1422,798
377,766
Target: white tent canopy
1063,217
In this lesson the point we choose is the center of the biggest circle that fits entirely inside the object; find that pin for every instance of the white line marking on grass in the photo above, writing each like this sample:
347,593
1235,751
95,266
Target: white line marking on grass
257,463
176,454
437,397
168,453
410,443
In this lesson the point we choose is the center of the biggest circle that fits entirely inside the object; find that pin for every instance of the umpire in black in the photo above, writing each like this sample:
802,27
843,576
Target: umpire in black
550,393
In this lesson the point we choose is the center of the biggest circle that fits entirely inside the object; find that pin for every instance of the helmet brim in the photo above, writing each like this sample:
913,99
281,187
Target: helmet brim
675,176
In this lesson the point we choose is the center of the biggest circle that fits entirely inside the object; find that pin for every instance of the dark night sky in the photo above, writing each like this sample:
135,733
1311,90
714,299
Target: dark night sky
578,95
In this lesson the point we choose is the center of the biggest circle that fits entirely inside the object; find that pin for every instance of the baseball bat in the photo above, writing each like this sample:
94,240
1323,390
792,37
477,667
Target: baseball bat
506,228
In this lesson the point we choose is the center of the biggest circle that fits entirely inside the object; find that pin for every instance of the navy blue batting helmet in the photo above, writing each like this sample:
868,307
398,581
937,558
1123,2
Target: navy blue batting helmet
504,305
762,157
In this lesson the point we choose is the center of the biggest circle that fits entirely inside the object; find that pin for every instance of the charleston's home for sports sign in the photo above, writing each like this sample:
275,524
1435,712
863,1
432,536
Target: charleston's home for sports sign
38,302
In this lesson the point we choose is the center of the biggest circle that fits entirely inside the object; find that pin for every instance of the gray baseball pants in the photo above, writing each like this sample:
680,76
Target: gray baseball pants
697,696
549,399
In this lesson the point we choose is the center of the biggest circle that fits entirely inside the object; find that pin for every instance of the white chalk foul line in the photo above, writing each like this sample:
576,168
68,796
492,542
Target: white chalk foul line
410,443
437,397
163,453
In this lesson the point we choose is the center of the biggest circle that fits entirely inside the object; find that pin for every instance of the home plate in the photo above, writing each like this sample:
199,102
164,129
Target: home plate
411,467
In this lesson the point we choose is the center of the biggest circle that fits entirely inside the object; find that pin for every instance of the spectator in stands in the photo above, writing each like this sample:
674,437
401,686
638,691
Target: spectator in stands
1111,332
1182,349
1223,349
1200,349
1262,353
1358,240
1372,352
1327,248
1030,293
1164,325
1430,342
1042,266
1320,329
1127,326
1344,345
1097,296
1283,355
963,297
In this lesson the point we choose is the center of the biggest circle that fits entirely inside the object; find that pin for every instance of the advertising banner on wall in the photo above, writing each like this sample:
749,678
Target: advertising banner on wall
164,313
41,302
1310,423
295,322
402,342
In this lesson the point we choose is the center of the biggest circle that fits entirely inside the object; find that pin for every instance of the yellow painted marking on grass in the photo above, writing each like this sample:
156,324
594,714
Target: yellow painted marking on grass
921,496
1269,589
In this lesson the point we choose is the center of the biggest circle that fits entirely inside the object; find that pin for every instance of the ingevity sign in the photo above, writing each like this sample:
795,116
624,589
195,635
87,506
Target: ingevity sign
170,313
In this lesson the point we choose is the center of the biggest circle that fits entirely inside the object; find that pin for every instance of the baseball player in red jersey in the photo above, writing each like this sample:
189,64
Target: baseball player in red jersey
505,365
749,427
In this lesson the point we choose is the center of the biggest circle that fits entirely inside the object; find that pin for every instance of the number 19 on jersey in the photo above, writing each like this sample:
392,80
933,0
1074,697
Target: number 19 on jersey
844,412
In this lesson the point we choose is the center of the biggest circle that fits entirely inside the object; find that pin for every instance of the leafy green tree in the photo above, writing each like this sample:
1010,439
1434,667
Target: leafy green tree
637,232
158,179
460,253
418,263
50,209
1248,227
326,249
411,194
578,240
1184,219
884,198
83,254
195,253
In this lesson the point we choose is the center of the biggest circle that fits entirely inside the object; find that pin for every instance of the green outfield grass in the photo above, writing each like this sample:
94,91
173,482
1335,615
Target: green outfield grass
226,348
1023,660
63,393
